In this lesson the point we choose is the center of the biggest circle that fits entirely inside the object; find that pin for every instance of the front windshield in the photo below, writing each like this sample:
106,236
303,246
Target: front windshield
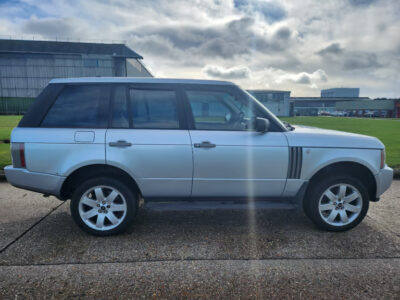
271,115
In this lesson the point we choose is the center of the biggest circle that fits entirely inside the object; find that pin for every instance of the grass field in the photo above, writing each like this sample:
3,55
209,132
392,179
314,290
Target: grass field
388,131
7,123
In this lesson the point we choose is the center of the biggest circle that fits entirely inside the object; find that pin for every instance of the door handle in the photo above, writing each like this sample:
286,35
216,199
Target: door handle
120,143
205,144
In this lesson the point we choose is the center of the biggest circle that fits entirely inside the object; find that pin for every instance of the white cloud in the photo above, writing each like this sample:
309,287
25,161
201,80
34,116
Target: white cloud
237,72
290,44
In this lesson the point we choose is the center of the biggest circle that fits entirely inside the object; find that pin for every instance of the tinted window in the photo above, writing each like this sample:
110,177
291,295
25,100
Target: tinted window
219,111
120,108
154,109
79,106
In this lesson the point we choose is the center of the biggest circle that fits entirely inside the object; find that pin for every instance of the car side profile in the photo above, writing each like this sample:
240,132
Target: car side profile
108,143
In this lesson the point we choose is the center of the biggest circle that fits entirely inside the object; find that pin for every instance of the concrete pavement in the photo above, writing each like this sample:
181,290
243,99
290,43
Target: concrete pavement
200,254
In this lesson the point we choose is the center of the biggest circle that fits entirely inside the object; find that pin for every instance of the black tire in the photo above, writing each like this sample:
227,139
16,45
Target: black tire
315,192
125,191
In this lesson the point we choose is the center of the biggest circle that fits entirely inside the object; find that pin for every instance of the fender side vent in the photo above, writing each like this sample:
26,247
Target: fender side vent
295,162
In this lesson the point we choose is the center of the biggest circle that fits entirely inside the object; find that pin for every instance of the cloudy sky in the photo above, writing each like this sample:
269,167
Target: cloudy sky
301,46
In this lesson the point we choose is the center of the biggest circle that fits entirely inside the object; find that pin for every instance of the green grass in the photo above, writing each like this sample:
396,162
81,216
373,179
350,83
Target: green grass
7,123
5,156
387,130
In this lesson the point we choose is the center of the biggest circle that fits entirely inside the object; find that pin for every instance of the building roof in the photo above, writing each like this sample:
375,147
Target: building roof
54,47
137,80
267,91
341,89
329,98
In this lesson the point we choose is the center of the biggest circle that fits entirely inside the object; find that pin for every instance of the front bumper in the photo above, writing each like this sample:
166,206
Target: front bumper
33,181
383,180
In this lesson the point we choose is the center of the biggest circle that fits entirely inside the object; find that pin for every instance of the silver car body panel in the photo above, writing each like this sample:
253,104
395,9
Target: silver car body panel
159,160
241,164
56,151
34,181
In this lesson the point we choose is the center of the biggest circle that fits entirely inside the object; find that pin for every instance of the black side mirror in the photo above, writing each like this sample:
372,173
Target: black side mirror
261,125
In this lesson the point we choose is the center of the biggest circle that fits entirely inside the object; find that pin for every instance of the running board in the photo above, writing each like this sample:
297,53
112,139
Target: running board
216,205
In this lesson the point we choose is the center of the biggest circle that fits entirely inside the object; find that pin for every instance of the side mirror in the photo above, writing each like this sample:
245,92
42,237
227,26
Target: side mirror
261,125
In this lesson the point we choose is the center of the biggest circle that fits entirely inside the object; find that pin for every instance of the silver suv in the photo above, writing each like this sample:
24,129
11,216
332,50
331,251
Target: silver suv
107,143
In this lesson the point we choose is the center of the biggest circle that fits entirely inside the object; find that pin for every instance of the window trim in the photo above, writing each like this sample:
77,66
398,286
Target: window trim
233,91
79,127
150,87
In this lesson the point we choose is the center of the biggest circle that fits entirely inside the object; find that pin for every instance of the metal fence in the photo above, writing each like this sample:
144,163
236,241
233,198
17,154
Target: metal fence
14,106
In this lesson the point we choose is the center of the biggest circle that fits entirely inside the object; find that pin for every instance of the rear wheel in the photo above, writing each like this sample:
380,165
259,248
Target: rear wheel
337,204
103,206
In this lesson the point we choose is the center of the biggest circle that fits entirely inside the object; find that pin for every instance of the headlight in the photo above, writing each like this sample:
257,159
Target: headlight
383,156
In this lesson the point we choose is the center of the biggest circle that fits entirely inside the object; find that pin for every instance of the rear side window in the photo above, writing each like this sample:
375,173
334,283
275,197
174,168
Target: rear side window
79,106
154,109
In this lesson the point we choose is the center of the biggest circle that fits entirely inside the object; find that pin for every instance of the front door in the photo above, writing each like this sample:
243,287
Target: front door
230,159
145,139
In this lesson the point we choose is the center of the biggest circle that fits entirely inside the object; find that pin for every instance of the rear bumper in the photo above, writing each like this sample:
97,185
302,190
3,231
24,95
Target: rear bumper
37,182
383,180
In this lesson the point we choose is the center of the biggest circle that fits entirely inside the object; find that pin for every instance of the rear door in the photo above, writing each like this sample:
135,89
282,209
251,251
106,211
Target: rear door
146,137
230,159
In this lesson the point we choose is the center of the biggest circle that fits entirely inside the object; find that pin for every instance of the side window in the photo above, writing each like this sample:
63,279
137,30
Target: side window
120,117
79,106
154,109
219,111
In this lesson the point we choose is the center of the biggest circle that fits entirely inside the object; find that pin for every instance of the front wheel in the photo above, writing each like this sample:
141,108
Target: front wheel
103,206
337,204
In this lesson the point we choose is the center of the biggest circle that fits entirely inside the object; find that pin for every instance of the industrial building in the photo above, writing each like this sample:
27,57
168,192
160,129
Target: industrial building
341,92
26,67
278,102
374,108
312,106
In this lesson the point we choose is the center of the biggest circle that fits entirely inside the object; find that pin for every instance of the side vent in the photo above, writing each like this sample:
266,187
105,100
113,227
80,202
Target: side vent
295,162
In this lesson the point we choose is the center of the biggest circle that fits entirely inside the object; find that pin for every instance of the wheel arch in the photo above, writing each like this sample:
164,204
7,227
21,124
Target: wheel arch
356,169
95,170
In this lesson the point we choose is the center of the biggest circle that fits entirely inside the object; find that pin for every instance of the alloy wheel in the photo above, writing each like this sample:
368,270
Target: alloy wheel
340,204
102,208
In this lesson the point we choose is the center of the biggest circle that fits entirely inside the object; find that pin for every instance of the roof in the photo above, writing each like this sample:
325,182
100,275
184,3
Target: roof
53,47
341,88
137,80
328,98
268,91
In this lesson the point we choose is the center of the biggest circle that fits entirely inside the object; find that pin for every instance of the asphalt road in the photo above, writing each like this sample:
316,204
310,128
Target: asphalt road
196,254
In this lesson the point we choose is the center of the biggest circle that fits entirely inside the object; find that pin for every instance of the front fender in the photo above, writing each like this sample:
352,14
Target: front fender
315,159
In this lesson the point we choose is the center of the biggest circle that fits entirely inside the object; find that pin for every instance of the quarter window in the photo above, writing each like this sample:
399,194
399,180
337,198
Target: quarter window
79,106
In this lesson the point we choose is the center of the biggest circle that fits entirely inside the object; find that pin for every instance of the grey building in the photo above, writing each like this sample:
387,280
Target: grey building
27,66
389,108
340,92
278,102
311,106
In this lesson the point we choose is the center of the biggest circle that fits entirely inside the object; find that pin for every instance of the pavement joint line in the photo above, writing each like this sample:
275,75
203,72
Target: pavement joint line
201,260
30,228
